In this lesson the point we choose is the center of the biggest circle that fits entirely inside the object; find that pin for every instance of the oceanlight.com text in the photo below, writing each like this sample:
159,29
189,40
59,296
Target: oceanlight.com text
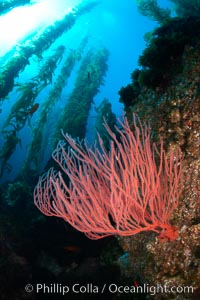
90,288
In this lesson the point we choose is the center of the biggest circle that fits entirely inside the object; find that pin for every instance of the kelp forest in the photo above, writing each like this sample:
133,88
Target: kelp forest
44,116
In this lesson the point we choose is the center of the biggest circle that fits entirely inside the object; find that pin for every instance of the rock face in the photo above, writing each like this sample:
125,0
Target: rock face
174,113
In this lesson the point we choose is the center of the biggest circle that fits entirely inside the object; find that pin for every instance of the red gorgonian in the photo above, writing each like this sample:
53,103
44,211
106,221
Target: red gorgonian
131,188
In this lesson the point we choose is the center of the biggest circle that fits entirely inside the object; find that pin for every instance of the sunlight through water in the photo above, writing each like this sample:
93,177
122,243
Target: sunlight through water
21,21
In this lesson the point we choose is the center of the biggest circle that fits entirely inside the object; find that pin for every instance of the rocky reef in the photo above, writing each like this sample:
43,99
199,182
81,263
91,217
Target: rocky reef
173,110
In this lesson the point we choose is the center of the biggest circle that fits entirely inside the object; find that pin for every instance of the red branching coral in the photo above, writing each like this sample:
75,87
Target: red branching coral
123,191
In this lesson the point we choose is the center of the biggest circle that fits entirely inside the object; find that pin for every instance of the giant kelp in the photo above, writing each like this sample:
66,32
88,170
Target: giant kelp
35,153
23,109
30,90
38,43
90,76
7,5
104,113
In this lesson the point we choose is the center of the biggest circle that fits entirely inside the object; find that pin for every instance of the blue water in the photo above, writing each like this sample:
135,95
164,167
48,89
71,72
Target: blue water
114,24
